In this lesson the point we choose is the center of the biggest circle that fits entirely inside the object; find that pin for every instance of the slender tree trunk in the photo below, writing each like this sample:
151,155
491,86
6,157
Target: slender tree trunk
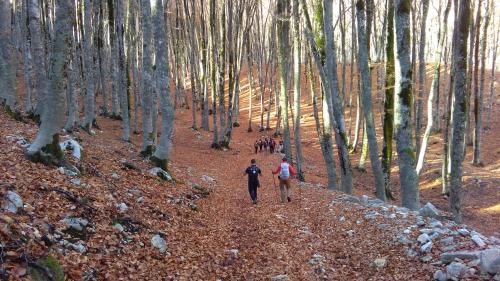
402,107
478,99
213,62
147,147
421,74
492,79
434,87
477,34
459,109
388,121
369,120
123,71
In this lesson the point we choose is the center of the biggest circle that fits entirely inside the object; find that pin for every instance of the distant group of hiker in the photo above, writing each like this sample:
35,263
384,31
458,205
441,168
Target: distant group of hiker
267,144
285,172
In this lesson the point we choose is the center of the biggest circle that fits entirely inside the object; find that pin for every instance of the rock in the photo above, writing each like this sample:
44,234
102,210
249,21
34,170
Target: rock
140,199
233,253
463,232
279,277
122,207
428,210
463,255
496,277
410,253
407,231
341,219
447,241
350,233
351,198
375,202
158,242
426,247
391,216
420,221
423,238
371,215
383,226
364,199
440,276
490,260
73,146
164,175
78,247
115,176
75,181
380,262
402,210
118,227
402,239
316,259
478,240
12,202
426,259
75,223
456,269
436,224
427,231
208,179
193,206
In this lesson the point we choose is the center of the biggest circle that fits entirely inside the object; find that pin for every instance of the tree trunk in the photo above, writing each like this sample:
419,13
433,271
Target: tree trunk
296,87
213,62
402,107
434,87
492,78
369,120
45,148
147,147
421,75
388,121
123,73
164,148
478,99
459,109
37,50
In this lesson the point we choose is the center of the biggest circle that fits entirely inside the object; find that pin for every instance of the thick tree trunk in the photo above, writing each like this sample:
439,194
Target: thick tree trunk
123,71
296,87
283,8
45,148
7,60
213,62
402,108
164,148
459,109
37,50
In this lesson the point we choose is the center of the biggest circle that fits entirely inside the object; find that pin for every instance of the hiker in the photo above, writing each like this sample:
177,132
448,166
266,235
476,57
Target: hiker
285,171
272,143
266,144
253,173
256,146
261,143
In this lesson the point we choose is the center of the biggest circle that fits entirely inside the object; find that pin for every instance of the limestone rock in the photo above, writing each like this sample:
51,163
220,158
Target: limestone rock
429,210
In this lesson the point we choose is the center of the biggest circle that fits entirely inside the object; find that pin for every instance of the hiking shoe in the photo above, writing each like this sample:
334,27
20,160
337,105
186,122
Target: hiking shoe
254,202
289,199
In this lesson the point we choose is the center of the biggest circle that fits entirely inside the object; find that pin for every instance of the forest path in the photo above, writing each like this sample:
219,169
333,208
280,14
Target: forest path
272,238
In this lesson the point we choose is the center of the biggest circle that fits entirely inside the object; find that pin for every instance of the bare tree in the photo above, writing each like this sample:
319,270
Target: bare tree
402,107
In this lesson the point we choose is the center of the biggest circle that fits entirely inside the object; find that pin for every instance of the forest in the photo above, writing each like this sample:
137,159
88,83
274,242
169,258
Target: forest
126,126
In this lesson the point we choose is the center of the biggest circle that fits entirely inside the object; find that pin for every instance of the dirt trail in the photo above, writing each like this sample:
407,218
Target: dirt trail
271,238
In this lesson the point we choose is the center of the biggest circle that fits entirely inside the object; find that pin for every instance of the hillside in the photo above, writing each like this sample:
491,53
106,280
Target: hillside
320,235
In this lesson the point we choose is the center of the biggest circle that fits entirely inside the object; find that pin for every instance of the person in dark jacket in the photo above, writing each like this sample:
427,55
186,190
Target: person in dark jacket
253,173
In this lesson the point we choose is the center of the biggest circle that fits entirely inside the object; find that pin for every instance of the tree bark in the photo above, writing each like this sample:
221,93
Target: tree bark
402,107
459,109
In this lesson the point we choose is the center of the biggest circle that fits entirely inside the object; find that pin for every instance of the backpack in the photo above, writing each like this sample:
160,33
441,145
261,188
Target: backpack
285,171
